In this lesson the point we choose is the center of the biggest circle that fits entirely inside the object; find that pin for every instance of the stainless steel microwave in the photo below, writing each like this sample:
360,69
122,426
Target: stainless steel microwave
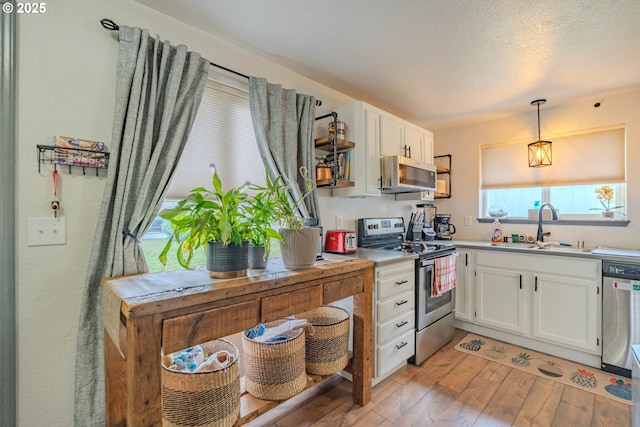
404,175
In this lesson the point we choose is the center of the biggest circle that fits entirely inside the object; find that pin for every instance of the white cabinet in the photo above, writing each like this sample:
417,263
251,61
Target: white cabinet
377,133
391,136
553,299
463,293
363,128
500,299
564,311
394,317
401,138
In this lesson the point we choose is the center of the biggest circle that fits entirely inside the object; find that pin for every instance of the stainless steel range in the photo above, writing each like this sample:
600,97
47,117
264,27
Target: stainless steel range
434,315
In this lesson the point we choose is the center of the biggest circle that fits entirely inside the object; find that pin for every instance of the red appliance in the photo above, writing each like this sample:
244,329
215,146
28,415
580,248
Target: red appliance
341,242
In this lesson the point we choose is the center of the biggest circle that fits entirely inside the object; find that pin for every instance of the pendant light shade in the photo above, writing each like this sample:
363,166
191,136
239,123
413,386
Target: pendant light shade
539,151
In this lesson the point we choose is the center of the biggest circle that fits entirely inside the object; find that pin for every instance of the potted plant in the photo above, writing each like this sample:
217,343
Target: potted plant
299,244
262,212
215,219
605,194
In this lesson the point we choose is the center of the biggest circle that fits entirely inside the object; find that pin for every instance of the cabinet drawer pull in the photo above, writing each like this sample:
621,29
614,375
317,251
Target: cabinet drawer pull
401,282
401,324
404,301
402,344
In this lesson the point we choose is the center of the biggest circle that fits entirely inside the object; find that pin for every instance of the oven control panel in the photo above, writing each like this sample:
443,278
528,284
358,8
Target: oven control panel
380,226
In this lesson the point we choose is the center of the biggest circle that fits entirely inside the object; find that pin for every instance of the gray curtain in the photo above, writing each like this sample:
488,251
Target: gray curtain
159,89
283,123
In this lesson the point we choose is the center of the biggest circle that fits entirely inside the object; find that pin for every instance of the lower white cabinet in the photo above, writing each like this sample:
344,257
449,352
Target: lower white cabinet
394,317
565,311
552,299
463,292
500,299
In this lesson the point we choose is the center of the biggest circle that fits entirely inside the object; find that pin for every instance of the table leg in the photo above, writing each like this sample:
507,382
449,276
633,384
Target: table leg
363,341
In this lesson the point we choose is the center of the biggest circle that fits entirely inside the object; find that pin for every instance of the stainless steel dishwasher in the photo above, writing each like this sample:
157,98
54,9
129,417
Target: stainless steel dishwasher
620,314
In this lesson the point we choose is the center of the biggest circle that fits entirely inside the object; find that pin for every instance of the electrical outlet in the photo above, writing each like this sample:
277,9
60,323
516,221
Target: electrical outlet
339,223
467,220
47,231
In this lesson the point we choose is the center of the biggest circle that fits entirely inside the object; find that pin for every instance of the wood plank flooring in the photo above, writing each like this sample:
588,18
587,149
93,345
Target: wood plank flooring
451,388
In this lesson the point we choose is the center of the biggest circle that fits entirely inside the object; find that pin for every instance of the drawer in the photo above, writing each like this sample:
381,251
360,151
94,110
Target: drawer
395,306
394,353
280,306
392,270
397,326
396,284
190,329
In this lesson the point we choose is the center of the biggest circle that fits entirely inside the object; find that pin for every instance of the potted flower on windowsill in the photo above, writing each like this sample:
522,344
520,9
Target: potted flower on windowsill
299,244
215,219
605,194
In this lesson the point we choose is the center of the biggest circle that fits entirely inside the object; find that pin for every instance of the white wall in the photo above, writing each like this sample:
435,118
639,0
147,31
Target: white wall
464,145
66,85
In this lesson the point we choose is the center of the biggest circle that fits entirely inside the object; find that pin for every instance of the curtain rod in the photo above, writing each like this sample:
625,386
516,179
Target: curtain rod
108,24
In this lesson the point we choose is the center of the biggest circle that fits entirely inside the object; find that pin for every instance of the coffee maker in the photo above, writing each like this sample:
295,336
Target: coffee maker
443,227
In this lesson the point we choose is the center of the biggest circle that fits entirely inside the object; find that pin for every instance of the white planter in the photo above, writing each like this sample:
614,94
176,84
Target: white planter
299,247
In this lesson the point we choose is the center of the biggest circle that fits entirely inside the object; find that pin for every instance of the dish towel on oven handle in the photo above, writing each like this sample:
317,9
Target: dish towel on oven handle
444,276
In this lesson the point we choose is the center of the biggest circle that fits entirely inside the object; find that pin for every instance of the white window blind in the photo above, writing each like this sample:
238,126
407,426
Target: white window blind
590,157
222,134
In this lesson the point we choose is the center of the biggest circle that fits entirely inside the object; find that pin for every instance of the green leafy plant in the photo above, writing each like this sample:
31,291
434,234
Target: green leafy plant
286,209
206,215
261,210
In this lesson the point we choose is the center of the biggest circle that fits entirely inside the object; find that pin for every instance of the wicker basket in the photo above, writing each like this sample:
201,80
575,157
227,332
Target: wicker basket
274,371
327,349
210,398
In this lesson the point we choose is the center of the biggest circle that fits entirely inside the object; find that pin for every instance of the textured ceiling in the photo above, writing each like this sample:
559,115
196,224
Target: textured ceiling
438,63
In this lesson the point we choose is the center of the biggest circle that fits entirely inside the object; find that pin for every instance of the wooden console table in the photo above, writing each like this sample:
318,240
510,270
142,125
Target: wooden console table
174,310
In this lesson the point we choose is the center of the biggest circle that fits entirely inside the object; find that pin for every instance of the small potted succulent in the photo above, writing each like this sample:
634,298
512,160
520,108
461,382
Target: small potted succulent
216,219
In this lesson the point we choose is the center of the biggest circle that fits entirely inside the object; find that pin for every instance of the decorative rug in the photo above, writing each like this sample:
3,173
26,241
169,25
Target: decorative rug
561,370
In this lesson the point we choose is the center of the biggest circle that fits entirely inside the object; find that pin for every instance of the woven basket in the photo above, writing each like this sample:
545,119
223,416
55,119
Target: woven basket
274,371
327,349
210,398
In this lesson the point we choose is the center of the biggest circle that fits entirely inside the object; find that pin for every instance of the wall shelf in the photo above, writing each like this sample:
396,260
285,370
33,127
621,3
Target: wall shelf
443,170
337,161
72,157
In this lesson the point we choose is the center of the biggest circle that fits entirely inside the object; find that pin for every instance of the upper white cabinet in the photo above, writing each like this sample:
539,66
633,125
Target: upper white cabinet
391,136
377,133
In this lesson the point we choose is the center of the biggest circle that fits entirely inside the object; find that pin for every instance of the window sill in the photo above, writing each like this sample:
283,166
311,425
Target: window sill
589,222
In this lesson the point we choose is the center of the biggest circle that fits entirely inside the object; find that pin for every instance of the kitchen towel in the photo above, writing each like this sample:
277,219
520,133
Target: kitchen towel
444,276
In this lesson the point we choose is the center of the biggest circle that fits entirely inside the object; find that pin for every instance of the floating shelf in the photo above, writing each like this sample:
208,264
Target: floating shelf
326,144
339,183
72,157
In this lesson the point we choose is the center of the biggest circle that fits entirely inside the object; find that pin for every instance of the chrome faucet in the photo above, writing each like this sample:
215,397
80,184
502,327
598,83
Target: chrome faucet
554,217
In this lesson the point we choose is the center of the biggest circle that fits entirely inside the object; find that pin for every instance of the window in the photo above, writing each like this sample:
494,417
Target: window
222,134
582,162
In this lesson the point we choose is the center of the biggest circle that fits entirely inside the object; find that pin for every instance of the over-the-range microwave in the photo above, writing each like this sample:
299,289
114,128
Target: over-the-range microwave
404,175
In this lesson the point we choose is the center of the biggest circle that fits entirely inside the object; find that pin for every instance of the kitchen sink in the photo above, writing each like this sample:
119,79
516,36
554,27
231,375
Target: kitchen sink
561,249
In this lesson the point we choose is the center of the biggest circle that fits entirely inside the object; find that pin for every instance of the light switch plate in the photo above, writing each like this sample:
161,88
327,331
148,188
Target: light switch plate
47,231
467,220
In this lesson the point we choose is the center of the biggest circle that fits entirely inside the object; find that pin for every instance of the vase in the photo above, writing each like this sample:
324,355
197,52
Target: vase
607,214
257,257
227,261
299,247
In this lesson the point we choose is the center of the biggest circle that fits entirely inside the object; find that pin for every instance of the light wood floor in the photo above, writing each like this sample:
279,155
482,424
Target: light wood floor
451,388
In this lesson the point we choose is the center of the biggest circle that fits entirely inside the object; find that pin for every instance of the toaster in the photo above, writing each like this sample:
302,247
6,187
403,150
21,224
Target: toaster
340,242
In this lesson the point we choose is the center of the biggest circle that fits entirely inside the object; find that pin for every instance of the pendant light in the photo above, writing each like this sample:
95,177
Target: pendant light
539,151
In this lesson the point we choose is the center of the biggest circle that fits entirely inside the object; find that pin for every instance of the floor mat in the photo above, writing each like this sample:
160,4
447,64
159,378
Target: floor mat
561,370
